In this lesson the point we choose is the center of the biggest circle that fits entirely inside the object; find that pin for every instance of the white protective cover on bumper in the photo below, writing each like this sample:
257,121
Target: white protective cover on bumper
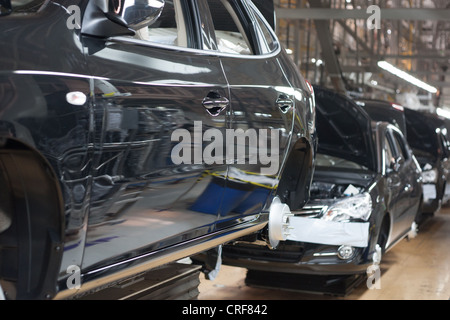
429,191
320,231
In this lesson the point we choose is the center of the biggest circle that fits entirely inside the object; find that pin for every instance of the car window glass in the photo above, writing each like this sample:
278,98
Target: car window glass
170,29
230,35
270,42
388,153
400,145
444,145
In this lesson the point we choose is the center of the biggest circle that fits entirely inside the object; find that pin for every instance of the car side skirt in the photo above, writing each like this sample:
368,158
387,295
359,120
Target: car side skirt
106,277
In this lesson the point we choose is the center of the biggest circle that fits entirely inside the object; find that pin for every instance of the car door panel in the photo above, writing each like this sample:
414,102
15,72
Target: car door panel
262,112
401,183
148,101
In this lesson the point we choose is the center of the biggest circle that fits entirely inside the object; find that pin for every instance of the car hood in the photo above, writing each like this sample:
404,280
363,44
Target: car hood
343,128
422,132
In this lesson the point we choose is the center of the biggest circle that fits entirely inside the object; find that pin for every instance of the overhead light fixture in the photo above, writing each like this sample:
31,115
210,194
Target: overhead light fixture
443,112
405,76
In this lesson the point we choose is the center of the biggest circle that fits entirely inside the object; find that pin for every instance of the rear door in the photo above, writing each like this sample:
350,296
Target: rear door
402,183
262,107
156,98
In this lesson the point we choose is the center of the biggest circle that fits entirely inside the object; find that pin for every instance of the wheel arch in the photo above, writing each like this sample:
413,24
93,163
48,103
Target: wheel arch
296,177
31,248
386,221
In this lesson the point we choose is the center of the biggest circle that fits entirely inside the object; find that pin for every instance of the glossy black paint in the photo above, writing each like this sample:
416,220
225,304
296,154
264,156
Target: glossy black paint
395,194
380,110
428,137
123,201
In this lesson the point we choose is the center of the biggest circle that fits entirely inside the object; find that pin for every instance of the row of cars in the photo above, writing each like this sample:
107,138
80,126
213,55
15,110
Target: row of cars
137,133
380,170
125,133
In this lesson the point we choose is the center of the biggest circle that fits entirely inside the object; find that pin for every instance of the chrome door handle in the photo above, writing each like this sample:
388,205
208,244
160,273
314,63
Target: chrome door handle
214,103
284,103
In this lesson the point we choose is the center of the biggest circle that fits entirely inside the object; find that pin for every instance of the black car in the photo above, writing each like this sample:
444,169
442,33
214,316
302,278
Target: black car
136,133
366,192
381,110
427,136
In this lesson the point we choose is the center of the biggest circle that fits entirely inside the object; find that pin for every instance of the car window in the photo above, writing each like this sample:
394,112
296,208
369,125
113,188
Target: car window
170,29
229,32
389,154
269,44
400,146
444,145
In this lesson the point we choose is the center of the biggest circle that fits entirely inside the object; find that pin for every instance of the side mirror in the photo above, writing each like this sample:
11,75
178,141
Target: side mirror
141,13
122,17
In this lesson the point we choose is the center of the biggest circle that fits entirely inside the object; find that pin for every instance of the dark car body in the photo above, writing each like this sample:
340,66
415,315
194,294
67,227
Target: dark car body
381,110
91,113
366,191
427,136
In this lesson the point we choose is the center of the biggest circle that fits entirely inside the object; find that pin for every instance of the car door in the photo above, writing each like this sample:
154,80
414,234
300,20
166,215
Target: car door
401,180
444,155
262,107
156,98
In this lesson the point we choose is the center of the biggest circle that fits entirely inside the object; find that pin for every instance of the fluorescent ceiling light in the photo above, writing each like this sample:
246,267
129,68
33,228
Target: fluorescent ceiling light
405,76
443,112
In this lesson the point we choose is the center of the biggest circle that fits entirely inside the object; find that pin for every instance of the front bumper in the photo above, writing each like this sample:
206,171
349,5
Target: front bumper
311,247
321,231
297,258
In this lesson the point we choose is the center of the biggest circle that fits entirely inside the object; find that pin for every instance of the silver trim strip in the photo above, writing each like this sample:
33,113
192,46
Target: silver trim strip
158,261
194,50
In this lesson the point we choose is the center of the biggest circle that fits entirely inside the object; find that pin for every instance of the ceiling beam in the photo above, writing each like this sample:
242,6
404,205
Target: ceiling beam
418,14
328,55
401,57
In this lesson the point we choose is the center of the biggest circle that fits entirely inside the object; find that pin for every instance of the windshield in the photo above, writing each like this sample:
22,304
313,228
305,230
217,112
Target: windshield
20,6
324,160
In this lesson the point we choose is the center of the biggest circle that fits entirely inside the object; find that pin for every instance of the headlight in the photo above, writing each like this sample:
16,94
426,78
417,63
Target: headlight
354,207
429,176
